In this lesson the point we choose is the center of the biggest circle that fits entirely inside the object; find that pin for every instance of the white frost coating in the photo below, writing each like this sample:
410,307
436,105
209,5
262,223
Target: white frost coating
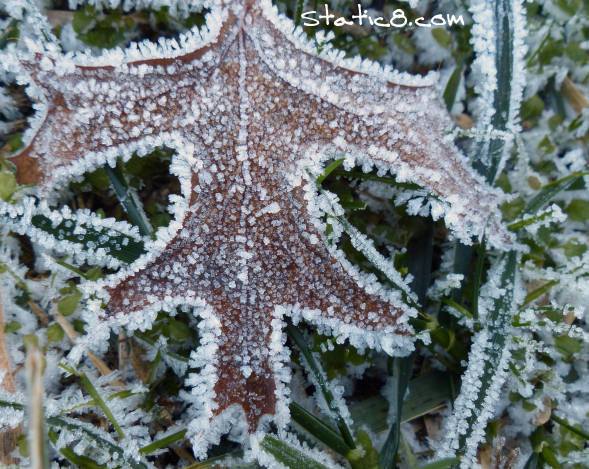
551,214
484,43
203,386
257,453
18,218
246,246
177,7
338,403
468,420
374,69
464,409
484,40
366,246
145,50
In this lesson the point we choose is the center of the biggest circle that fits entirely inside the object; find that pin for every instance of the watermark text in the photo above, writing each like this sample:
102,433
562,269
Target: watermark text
398,19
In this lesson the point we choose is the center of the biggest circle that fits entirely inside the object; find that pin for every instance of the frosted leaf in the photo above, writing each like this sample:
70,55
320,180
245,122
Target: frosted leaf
83,235
250,109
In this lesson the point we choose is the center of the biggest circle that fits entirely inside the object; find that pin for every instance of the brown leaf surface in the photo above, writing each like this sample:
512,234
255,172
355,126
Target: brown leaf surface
248,111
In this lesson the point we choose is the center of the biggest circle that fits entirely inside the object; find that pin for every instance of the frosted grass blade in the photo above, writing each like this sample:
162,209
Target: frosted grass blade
487,367
128,200
72,426
319,376
89,387
287,455
319,429
91,238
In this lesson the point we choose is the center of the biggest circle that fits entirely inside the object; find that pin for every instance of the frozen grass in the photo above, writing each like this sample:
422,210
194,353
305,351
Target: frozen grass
499,377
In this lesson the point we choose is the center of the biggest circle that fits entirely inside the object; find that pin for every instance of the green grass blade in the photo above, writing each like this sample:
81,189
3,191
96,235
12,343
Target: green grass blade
408,457
319,429
489,352
363,244
319,377
490,152
14,405
68,233
299,12
332,166
90,389
533,461
550,190
79,461
400,378
441,464
128,200
419,261
100,402
72,426
163,442
370,413
452,86
427,393
384,179
419,264
538,292
483,375
461,265
530,221
478,277
120,246
457,307
287,455
575,430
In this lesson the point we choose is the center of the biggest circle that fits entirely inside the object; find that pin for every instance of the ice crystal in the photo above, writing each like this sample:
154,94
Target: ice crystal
251,110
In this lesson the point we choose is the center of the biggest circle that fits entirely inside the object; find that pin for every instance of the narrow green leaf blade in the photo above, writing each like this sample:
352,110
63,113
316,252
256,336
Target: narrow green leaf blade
287,455
332,166
452,86
163,442
118,245
549,191
78,460
319,376
318,429
400,378
128,200
441,464
72,426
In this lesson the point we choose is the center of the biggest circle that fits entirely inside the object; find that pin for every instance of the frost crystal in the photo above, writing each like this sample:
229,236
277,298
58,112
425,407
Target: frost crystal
249,108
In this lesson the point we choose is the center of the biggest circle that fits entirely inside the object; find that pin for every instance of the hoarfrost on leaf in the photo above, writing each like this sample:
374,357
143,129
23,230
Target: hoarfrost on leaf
247,245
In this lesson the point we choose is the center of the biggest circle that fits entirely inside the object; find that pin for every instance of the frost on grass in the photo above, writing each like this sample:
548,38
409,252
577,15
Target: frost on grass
498,48
487,365
81,234
251,110
498,38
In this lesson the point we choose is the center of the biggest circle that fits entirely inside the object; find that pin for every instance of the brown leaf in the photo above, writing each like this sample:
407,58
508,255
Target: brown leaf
248,112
